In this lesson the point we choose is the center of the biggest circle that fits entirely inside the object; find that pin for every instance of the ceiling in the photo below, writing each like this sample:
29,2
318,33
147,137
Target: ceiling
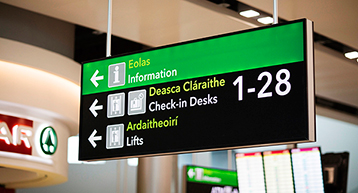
157,22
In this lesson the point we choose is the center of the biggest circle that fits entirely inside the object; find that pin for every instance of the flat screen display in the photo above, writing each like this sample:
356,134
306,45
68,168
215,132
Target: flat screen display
307,170
278,171
250,172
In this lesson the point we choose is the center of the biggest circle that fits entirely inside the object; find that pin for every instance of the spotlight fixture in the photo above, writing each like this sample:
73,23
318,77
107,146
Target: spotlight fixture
249,13
96,32
265,20
224,4
351,55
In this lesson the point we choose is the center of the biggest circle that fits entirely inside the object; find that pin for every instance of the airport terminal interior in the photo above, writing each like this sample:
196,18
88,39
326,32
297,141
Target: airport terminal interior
46,48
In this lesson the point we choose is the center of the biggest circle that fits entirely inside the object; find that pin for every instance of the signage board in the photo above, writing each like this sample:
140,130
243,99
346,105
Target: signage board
307,169
24,136
288,170
209,180
247,88
250,172
15,134
278,171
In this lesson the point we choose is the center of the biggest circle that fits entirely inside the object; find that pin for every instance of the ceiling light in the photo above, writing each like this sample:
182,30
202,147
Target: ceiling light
249,13
96,32
226,5
265,20
351,55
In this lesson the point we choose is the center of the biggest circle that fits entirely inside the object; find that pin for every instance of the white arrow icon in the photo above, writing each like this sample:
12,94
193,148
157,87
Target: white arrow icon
94,138
94,78
191,173
93,108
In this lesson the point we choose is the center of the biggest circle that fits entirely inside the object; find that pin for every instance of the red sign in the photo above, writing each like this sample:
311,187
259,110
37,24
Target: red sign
15,134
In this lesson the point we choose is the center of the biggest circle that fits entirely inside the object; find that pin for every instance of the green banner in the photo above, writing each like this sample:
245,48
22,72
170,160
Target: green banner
239,51
211,176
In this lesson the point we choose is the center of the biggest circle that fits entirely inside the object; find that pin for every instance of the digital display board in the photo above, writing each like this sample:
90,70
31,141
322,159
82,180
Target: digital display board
307,170
239,89
209,180
250,172
278,171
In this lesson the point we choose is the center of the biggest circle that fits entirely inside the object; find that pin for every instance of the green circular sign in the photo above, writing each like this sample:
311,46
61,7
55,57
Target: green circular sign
48,140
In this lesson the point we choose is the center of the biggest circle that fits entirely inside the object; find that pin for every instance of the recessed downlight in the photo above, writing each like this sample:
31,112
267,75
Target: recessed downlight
265,20
351,55
249,13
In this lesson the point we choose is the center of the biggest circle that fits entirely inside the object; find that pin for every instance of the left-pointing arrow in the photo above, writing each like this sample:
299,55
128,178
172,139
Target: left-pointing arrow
92,138
93,108
191,173
94,78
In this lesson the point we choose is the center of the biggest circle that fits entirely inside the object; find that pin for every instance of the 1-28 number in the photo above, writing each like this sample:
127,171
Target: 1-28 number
262,93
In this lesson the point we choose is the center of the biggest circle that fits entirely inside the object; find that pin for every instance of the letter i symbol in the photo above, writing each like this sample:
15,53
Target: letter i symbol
116,74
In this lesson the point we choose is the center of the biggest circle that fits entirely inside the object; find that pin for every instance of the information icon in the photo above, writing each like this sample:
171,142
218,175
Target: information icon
116,74
115,136
115,105
137,102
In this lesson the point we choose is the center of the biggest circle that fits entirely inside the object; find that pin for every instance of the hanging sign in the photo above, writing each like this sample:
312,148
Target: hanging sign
247,88
205,180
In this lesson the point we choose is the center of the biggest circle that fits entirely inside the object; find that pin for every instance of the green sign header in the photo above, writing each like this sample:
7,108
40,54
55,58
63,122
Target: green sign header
221,54
211,176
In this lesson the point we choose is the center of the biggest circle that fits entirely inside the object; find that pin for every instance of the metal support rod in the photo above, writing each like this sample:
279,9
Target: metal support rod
193,158
109,29
154,174
229,159
275,12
